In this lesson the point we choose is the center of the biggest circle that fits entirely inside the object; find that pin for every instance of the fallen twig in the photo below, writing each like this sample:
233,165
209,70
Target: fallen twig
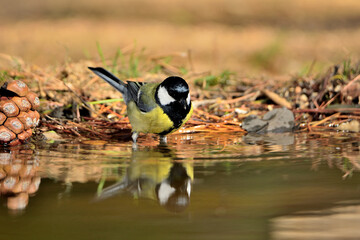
277,99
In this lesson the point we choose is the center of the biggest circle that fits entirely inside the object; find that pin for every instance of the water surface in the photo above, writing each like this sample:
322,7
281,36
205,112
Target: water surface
228,186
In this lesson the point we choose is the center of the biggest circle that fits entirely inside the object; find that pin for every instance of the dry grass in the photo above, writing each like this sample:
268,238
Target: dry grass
250,37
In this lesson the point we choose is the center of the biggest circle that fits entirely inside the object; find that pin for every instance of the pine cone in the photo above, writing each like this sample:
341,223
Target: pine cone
18,115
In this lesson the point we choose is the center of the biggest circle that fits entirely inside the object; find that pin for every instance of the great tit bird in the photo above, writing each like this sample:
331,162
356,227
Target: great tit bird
159,108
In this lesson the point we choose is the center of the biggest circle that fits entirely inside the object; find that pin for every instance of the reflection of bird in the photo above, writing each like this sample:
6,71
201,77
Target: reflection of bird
174,191
154,174
159,108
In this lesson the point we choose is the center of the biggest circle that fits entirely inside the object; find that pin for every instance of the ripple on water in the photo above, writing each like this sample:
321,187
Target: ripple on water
219,186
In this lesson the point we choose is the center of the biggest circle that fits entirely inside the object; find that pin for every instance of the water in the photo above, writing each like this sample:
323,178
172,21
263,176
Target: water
302,186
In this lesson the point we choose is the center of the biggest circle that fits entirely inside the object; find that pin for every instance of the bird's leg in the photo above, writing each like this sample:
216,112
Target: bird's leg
134,137
163,139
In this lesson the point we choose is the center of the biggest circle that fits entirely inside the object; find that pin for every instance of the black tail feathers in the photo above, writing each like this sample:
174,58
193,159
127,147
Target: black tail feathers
110,78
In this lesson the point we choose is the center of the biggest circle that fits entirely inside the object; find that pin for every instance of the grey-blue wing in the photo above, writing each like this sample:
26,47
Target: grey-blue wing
133,90
143,100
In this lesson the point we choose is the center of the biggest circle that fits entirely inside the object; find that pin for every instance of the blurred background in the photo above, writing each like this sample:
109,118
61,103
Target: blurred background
251,38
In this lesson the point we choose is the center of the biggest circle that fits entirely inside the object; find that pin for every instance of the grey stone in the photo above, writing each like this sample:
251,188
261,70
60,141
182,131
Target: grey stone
253,123
278,120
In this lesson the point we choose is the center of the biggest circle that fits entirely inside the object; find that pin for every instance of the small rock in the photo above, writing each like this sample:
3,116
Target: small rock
277,120
303,98
353,126
52,135
280,120
253,124
240,111
304,101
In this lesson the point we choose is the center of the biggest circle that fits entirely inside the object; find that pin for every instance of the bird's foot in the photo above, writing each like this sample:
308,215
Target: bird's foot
163,140
134,137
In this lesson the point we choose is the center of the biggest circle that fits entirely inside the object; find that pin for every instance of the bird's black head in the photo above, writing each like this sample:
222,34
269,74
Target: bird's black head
173,89
174,98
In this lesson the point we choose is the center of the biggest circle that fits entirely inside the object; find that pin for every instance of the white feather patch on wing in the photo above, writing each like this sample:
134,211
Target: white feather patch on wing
164,96
138,95
165,191
188,99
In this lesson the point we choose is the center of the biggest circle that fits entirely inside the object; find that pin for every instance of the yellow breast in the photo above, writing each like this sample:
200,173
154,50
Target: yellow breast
154,121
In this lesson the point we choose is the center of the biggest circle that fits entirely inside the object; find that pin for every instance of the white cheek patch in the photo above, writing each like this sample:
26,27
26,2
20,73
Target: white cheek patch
188,99
165,191
164,96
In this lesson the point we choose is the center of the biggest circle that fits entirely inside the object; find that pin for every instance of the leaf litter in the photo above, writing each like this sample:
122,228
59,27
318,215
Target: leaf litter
74,101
